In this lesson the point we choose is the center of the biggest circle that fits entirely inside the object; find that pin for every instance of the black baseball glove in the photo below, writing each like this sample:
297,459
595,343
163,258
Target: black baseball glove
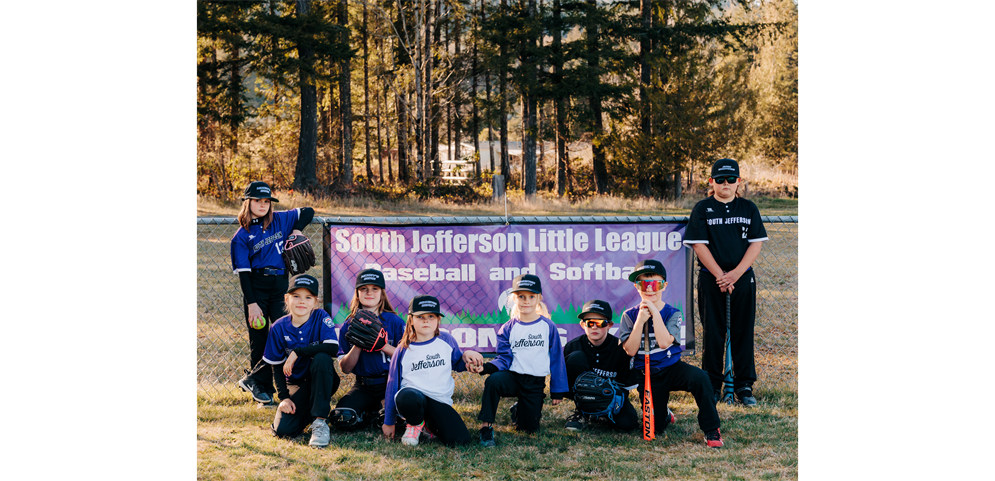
366,331
298,255
597,396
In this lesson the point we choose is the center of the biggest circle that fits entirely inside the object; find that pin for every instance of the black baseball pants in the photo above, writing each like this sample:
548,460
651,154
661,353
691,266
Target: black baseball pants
530,391
366,400
440,418
269,291
312,398
680,376
712,312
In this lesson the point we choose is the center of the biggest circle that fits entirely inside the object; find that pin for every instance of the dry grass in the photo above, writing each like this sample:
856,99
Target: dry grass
234,442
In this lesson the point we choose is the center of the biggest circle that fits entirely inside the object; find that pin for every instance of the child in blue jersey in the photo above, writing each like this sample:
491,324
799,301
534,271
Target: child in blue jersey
667,371
528,350
302,348
256,256
363,403
420,384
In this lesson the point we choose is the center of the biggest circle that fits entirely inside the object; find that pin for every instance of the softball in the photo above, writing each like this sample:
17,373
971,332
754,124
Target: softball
258,323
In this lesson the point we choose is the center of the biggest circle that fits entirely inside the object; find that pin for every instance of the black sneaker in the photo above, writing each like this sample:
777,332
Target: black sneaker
250,386
745,396
514,414
487,437
576,422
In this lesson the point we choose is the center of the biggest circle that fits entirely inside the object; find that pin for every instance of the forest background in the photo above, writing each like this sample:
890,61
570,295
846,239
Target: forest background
632,99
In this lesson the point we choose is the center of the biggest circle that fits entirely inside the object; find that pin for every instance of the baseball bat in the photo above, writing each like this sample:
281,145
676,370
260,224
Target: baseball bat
649,427
727,388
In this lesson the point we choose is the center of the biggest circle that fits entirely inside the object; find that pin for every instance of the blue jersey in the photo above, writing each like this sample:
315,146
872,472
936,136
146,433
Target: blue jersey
425,366
257,248
660,356
284,337
374,364
532,348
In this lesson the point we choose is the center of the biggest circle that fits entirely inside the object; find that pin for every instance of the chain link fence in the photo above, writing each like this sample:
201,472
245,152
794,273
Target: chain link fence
222,338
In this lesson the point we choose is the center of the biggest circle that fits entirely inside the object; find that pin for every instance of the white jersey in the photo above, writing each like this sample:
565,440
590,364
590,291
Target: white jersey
425,366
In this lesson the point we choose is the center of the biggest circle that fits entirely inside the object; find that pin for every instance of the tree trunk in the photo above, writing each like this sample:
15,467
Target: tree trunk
307,146
598,161
366,95
345,97
402,141
561,115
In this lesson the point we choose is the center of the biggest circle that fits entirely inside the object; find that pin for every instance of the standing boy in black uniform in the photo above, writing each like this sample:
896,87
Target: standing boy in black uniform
599,351
726,233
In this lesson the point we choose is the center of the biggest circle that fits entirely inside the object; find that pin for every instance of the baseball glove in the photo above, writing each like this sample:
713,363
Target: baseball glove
596,396
366,331
298,255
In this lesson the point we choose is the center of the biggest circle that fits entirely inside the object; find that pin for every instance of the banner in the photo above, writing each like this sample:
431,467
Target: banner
470,269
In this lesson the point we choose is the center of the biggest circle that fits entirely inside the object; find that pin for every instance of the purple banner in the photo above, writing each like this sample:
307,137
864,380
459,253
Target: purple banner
470,268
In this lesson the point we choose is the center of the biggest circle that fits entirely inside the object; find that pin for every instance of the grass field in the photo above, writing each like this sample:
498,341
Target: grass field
234,442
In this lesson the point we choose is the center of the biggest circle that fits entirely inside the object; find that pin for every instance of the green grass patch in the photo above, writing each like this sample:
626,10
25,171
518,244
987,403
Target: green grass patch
234,442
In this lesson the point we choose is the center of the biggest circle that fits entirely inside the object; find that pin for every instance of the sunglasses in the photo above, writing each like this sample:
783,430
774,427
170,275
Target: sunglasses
592,323
649,285
723,180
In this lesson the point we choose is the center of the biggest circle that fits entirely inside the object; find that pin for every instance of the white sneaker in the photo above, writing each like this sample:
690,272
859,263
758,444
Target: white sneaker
320,434
411,434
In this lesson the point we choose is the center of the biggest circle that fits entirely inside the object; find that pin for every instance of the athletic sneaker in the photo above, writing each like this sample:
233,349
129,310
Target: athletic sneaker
576,422
670,415
514,414
250,386
320,434
411,434
713,438
487,437
745,396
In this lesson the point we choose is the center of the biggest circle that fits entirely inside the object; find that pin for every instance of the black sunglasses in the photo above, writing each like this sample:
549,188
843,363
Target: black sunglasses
722,180
592,323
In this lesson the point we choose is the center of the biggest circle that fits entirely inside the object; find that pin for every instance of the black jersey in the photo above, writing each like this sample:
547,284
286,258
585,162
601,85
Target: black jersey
609,360
726,228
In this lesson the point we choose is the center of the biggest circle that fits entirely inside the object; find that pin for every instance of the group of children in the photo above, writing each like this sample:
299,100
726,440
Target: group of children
408,381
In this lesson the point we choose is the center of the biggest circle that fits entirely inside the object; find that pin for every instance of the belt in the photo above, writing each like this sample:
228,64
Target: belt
268,271
371,381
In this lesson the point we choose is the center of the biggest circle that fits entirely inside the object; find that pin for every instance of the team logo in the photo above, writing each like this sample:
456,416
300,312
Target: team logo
427,304
304,280
287,338
596,306
370,277
525,283
709,209
251,237
328,322
264,190
727,167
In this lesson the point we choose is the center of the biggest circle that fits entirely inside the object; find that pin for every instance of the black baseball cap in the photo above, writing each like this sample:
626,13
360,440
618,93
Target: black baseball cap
527,282
259,190
724,167
649,266
596,306
370,276
303,281
424,305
